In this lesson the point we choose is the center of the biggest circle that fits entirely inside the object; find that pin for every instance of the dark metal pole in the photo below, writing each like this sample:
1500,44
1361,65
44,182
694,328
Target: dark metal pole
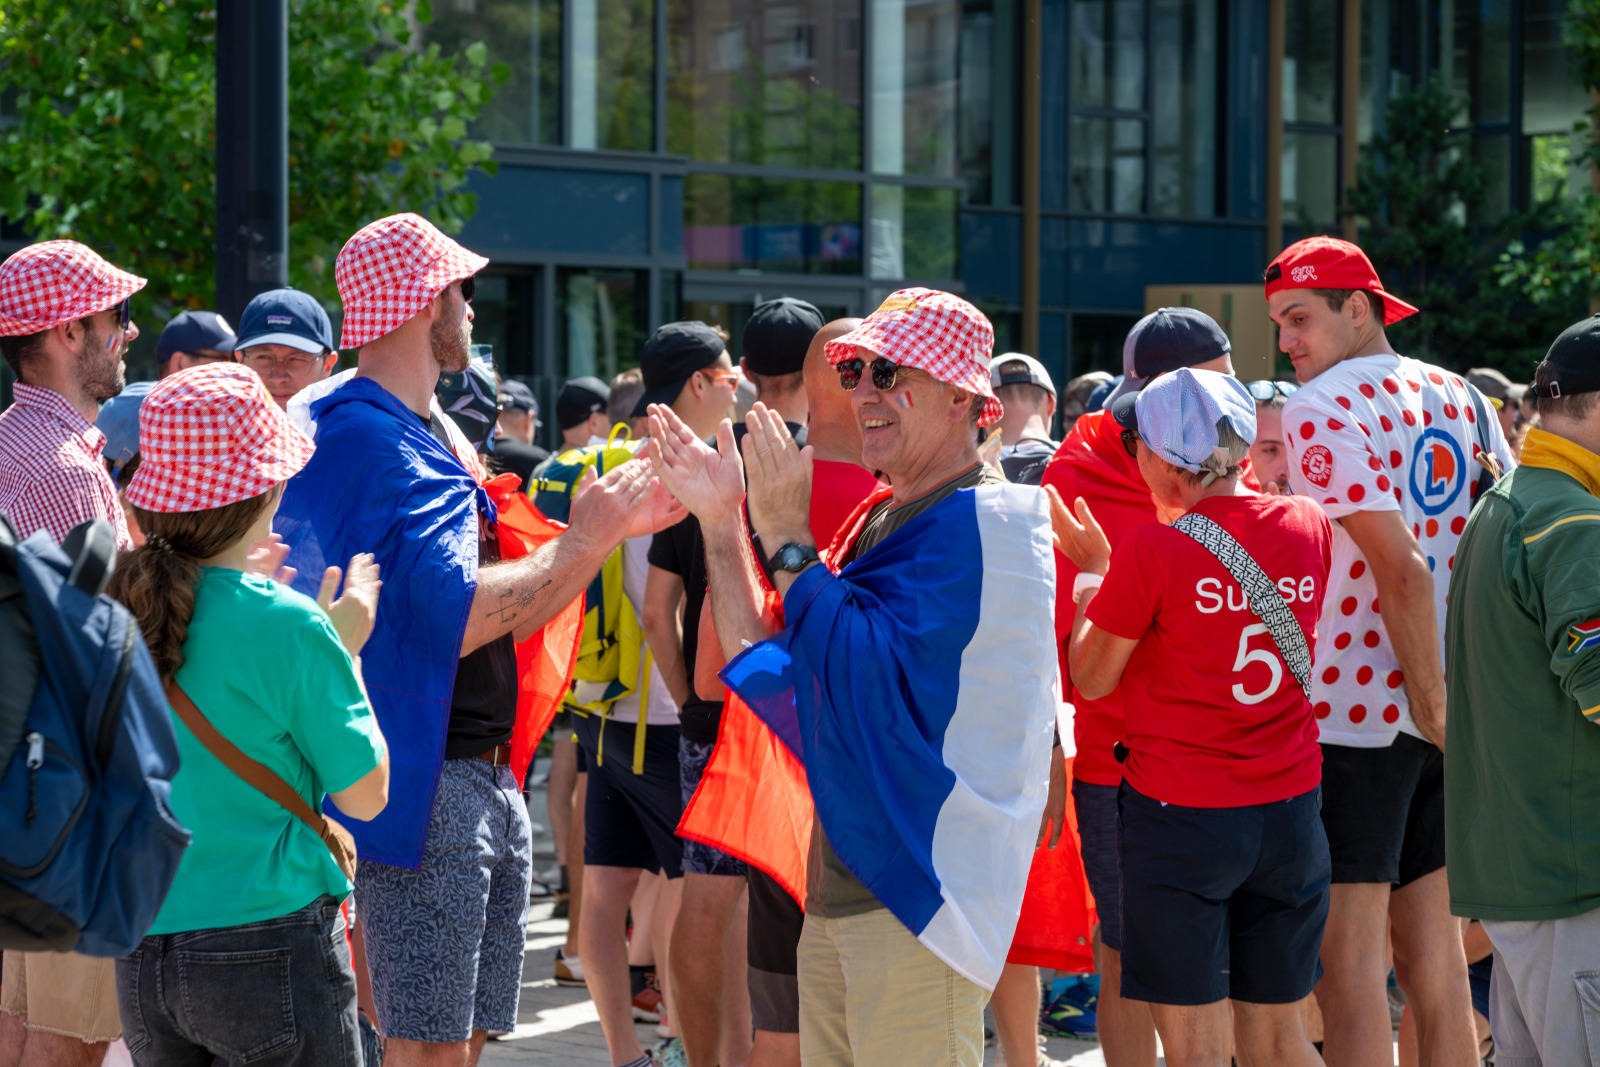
252,151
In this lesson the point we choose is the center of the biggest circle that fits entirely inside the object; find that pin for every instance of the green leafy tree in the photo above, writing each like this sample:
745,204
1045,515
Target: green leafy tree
1420,193
1562,271
113,132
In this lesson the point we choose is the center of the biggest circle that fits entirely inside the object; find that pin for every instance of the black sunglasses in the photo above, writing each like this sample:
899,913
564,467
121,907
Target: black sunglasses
125,313
883,374
1130,441
1264,390
468,287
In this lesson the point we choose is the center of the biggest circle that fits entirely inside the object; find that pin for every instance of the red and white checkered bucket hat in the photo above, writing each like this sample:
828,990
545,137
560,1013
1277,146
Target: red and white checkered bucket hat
53,282
389,271
933,331
211,436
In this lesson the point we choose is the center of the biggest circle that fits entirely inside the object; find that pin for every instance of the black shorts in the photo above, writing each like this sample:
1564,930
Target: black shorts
631,820
1222,903
1383,809
770,949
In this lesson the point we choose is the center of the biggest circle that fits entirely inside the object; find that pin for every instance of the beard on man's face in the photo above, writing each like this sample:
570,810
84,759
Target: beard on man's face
451,337
100,369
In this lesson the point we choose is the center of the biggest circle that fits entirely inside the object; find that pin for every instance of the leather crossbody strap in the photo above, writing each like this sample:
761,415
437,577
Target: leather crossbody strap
253,772
1265,600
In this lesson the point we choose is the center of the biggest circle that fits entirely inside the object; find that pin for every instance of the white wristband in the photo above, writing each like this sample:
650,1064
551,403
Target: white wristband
1084,581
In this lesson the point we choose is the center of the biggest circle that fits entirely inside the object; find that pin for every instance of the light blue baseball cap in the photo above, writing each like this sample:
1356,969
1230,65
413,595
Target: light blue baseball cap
1178,413
119,421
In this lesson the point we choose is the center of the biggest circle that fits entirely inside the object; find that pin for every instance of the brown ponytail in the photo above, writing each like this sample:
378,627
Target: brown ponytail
156,581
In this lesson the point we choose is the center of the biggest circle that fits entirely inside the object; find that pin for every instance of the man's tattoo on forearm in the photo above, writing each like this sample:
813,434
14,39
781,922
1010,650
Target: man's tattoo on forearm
512,601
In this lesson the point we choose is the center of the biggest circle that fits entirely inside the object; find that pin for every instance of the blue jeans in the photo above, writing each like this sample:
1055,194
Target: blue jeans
276,993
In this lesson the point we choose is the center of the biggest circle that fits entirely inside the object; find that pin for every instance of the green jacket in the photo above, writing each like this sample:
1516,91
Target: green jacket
1522,659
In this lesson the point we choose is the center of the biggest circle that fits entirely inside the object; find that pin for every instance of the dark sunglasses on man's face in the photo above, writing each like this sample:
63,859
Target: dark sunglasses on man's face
883,374
1130,441
1264,390
125,313
468,287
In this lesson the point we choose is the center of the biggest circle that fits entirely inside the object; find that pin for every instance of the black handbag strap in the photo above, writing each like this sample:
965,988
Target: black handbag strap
1265,600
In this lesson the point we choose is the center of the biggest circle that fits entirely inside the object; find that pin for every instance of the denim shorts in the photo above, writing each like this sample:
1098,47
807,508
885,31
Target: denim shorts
1222,903
699,858
1097,834
275,993
445,944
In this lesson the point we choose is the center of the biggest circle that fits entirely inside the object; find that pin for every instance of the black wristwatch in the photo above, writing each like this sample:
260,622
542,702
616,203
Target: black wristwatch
793,557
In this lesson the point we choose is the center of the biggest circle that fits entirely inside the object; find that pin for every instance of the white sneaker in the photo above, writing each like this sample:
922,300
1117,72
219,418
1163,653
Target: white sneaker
550,876
568,969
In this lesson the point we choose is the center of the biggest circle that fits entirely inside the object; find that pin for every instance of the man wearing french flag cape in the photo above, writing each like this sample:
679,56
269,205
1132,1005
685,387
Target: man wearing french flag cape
915,679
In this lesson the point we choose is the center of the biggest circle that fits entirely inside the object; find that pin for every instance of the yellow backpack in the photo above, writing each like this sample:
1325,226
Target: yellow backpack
613,660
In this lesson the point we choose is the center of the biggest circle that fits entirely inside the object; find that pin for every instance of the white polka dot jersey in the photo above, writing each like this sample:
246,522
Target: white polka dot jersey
1381,433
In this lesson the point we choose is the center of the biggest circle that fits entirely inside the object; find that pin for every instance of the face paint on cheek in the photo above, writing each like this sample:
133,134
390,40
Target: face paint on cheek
904,401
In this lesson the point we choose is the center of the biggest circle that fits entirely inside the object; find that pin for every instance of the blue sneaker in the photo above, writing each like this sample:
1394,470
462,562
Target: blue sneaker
1072,1011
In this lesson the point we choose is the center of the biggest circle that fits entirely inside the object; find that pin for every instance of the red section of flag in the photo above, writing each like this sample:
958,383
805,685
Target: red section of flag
1058,913
546,660
754,801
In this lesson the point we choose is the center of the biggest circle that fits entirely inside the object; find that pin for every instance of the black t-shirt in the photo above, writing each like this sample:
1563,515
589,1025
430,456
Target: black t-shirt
483,705
1026,462
681,550
516,457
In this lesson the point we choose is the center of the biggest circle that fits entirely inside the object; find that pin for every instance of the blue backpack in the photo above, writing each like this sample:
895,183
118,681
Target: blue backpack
88,846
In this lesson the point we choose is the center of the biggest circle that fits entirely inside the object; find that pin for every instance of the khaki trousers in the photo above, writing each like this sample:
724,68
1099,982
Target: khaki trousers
872,996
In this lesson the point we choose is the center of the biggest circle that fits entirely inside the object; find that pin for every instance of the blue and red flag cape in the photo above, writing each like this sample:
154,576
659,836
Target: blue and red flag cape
918,689
380,482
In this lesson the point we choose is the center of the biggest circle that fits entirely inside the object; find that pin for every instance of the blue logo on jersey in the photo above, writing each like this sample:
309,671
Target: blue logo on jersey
1438,471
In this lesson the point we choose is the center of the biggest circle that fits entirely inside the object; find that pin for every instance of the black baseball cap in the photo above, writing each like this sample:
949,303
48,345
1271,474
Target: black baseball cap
674,353
515,396
190,331
778,334
580,398
1165,340
1573,361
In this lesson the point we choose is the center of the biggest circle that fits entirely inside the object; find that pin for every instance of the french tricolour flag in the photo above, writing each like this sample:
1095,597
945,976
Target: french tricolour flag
918,688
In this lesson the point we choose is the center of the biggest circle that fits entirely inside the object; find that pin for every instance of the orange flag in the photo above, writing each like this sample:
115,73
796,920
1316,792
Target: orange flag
544,661
1058,911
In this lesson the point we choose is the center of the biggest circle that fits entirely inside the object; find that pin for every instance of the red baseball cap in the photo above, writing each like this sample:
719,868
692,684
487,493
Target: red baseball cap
1330,263
933,331
52,282
210,436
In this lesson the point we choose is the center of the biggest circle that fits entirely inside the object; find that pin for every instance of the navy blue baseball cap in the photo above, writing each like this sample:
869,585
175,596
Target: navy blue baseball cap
191,331
286,317
1165,340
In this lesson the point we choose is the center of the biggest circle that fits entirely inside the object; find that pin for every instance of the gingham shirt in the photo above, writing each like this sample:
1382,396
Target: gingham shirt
51,474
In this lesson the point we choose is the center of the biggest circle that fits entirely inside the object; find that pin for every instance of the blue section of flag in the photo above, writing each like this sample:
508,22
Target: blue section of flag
379,482
921,704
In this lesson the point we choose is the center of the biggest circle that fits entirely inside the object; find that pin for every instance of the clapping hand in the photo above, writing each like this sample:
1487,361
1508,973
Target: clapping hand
780,479
628,501
709,482
1078,536
356,609
266,557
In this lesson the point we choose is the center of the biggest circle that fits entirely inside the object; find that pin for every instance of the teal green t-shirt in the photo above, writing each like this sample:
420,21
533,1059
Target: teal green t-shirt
264,664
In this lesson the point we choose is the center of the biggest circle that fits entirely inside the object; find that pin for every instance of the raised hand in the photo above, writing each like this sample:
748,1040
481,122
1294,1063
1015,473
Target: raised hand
710,483
356,609
266,559
1078,537
627,502
780,480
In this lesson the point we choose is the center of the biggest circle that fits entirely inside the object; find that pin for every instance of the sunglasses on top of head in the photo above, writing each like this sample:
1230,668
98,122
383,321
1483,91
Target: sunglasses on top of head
883,372
1264,390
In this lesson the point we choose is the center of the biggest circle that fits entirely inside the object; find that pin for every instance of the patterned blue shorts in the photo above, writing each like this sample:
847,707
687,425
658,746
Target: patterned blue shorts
698,858
445,943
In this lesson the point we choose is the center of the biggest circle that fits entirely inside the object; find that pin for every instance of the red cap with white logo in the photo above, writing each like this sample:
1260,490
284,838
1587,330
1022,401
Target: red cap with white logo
1329,263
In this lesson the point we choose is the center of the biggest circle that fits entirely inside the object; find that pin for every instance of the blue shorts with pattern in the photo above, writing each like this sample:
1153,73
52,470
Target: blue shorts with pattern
698,858
445,943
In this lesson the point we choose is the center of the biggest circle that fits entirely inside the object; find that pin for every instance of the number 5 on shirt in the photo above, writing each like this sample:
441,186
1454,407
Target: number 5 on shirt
1247,656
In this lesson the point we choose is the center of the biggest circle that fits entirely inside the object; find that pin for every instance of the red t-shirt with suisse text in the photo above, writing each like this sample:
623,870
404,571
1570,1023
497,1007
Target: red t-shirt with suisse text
1214,717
